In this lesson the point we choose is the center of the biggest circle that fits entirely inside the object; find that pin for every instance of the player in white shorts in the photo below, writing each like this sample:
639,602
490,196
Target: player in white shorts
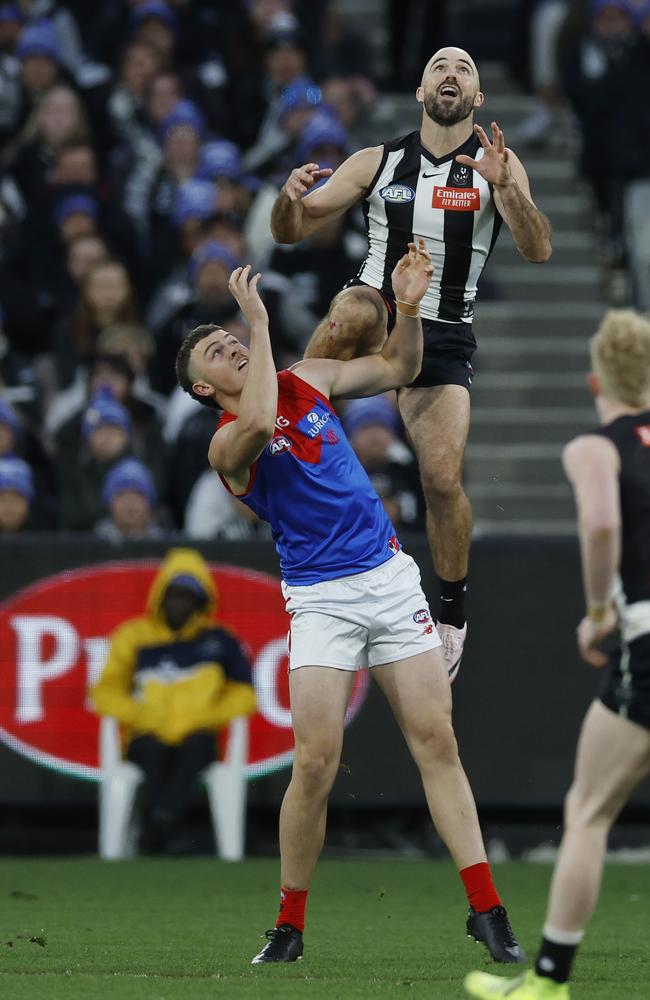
354,596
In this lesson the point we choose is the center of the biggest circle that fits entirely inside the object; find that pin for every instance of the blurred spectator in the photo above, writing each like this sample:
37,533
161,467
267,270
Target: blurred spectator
209,271
18,381
221,161
76,217
213,512
16,495
106,430
416,29
58,120
112,372
302,280
129,496
126,103
372,426
106,298
546,22
19,439
287,116
151,191
602,68
173,678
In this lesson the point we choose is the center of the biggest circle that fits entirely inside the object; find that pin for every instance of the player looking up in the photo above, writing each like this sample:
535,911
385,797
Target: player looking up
450,185
609,471
354,596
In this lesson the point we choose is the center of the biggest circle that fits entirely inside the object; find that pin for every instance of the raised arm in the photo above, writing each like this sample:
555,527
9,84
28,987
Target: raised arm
236,446
400,360
297,213
499,166
592,466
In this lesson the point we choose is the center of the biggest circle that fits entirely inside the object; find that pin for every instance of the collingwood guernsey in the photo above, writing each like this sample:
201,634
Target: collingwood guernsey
414,195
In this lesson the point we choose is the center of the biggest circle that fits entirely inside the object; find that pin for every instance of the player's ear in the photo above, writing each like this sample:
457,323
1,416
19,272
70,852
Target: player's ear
202,389
478,100
419,95
593,384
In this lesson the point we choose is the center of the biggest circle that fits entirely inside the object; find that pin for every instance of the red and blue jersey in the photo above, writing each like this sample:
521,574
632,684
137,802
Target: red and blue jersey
326,518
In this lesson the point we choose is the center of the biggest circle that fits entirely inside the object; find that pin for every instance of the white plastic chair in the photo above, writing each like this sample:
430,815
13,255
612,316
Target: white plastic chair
225,781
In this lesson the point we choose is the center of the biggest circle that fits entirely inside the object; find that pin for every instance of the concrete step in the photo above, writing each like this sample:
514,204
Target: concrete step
520,462
489,430
537,329
485,527
571,248
521,282
522,508
547,397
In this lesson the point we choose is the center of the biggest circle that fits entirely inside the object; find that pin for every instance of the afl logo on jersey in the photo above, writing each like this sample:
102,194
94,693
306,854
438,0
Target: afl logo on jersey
397,194
422,616
278,445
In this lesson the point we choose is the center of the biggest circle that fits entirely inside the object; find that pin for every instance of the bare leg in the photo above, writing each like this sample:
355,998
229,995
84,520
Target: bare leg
354,326
613,757
319,698
418,691
437,421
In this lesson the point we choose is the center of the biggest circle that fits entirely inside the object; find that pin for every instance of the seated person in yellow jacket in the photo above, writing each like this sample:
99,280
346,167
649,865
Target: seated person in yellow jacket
173,678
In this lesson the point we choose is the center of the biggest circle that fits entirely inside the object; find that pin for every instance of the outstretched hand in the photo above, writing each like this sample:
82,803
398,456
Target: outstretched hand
302,179
591,634
412,274
243,289
493,166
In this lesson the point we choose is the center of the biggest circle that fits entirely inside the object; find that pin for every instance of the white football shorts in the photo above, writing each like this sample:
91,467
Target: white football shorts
362,620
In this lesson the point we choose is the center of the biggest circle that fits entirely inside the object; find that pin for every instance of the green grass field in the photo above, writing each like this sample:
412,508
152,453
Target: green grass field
186,929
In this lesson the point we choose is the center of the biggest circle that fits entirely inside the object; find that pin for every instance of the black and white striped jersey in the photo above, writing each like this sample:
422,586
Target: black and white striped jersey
414,195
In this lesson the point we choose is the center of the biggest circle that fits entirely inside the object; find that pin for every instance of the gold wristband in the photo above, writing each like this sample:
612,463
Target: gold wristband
597,613
411,309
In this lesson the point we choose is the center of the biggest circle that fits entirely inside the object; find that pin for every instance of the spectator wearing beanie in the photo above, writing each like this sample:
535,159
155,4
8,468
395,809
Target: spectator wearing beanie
106,429
129,496
372,426
16,495
209,271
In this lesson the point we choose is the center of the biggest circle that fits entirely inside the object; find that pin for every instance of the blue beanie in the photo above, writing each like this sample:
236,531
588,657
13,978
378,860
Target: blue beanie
16,475
11,12
211,250
183,113
369,412
220,158
154,8
39,39
322,129
9,416
75,203
128,474
195,199
105,409
302,93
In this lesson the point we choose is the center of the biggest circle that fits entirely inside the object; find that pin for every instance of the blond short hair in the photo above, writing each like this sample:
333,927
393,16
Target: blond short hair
620,356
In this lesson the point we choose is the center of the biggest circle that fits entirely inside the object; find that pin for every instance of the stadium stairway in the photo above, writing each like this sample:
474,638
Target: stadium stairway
533,324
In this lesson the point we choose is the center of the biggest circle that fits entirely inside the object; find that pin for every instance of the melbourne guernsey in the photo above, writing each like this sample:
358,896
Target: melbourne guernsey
326,518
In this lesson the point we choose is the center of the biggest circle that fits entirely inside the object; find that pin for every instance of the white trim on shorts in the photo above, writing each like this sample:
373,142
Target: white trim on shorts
364,620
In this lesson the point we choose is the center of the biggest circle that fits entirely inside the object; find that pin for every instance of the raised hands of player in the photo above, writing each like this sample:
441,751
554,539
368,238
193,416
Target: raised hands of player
590,635
412,274
493,166
302,179
243,289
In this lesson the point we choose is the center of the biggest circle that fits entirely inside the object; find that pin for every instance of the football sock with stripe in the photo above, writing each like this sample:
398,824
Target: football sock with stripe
293,903
481,892
452,602
557,953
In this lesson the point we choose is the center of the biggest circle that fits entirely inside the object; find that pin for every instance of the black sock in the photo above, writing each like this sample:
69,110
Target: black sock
555,960
452,602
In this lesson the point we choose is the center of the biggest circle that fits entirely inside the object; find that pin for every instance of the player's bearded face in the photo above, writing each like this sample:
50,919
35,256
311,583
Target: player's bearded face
446,112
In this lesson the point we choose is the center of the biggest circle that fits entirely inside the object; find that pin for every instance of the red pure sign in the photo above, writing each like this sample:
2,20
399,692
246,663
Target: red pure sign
54,638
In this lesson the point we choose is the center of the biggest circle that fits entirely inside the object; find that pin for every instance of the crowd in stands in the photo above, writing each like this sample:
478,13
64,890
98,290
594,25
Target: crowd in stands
142,144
